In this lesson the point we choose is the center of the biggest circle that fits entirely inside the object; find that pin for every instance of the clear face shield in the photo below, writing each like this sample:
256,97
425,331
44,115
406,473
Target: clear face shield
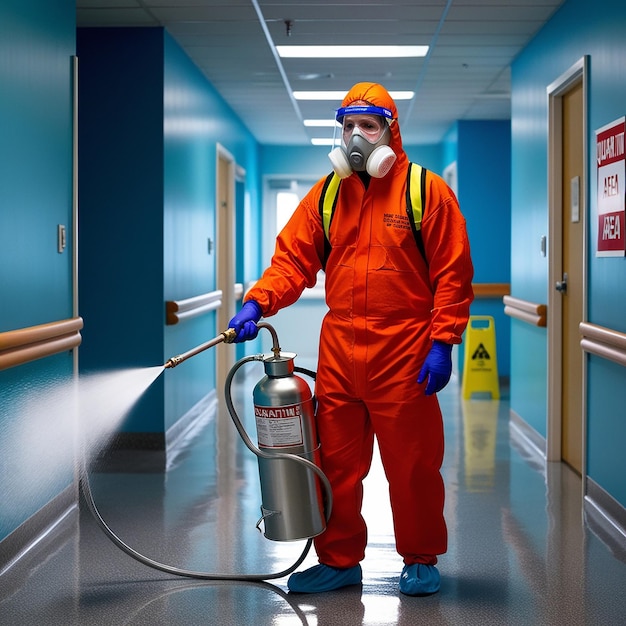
364,141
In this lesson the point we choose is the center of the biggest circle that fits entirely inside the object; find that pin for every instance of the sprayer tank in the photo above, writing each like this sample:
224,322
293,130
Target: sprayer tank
285,418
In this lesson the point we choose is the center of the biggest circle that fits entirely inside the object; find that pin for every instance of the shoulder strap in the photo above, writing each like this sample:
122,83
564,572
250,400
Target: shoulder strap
328,200
415,194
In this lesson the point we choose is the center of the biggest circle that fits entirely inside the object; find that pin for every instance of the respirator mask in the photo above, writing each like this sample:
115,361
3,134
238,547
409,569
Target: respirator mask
367,149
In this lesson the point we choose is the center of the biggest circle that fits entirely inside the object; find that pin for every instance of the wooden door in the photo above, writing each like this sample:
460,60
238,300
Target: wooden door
571,286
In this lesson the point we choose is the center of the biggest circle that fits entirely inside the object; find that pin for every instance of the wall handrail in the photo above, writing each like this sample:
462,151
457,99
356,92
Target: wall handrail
604,342
239,292
179,310
491,290
36,342
530,312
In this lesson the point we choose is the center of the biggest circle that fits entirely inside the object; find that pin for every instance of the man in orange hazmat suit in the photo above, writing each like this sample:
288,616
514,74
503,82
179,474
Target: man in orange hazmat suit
386,341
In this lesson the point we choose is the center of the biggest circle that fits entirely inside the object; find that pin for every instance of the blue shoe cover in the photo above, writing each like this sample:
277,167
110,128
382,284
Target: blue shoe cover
419,580
324,578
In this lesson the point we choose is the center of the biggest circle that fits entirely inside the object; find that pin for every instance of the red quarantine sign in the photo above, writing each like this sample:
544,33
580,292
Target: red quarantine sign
611,186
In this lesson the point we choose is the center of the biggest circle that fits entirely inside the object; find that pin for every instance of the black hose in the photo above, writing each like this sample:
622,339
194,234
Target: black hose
303,370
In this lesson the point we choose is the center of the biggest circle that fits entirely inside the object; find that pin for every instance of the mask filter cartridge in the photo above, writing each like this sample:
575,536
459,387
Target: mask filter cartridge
340,163
380,161
361,155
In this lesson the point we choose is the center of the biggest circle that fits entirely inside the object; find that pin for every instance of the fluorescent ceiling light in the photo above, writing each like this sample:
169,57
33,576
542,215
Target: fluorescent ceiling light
402,95
321,123
321,141
350,52
319,95
340,95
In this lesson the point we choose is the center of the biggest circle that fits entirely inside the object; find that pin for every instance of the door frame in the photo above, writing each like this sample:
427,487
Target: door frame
578,72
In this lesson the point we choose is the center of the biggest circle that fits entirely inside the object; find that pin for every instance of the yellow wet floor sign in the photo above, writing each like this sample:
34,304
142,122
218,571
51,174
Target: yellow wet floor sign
480,367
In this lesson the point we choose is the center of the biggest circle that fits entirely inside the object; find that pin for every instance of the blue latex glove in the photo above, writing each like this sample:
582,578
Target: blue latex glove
245,322
437,367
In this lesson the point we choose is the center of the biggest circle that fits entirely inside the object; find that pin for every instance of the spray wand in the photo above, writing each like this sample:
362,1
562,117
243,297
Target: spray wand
228,336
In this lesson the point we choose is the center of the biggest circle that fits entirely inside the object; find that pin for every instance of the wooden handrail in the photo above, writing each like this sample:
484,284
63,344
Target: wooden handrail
36,342
604,342
491,290
179,310
530,312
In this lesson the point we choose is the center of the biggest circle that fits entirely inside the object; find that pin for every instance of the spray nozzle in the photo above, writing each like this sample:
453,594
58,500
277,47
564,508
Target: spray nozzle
229,335
172,362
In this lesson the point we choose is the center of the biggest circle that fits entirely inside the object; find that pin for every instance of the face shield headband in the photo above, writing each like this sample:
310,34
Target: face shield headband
364,109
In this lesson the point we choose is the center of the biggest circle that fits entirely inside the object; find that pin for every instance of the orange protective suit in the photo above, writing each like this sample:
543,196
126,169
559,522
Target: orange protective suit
386,306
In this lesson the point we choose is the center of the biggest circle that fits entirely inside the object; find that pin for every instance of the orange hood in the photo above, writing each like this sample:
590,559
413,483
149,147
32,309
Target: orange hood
378,96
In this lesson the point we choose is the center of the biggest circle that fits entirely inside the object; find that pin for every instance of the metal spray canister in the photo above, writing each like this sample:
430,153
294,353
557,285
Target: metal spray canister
292,505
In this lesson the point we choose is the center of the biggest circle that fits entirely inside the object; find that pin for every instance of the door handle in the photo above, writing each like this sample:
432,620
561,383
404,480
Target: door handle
561,285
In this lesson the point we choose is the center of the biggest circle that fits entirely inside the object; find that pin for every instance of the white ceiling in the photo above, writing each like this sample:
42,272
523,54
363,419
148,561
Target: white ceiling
465,76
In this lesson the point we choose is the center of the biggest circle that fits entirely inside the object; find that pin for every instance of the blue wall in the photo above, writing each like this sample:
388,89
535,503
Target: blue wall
150,130
295,160
36,45
579,28
484,172
37,41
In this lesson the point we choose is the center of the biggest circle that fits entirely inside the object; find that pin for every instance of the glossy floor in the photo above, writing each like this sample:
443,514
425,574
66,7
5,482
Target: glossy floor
520,551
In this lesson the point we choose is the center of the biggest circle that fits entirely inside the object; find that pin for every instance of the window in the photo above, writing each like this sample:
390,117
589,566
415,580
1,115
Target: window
286,203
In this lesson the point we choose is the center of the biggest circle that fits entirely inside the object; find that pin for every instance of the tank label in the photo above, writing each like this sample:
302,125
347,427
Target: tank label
279,426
